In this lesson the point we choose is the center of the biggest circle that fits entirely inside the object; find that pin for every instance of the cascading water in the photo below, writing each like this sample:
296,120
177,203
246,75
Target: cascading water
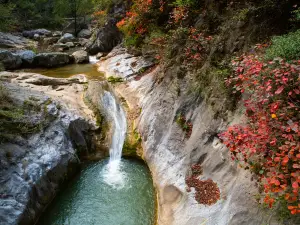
113,174
93,59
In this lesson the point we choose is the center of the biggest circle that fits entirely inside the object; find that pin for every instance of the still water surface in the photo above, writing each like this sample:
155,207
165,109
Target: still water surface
89,200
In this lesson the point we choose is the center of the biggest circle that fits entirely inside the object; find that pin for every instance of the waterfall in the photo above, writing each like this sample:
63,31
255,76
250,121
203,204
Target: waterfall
93,59
113,174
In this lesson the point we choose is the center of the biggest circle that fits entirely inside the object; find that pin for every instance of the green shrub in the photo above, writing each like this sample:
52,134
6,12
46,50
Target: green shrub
286,46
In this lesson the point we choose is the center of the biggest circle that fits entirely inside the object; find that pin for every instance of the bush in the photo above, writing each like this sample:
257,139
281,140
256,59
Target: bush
269,143
286,46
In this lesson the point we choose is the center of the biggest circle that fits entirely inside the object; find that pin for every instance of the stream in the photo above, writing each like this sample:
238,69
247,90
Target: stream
113,191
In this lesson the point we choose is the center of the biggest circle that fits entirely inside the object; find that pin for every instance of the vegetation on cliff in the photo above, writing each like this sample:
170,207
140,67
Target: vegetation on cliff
217,41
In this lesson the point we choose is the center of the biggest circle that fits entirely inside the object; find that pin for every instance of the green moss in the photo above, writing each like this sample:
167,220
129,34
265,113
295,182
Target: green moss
113,80
132,144
16,119
241,15
286,46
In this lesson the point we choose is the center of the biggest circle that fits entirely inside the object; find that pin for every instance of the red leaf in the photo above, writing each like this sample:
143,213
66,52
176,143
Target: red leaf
295,185
279,90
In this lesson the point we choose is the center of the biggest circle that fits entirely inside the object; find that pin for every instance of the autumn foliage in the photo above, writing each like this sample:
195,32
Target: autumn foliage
269,143
206,191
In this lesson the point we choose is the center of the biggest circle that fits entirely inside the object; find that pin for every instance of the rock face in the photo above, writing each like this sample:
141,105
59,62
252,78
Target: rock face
120,63
81,56
66,38
33,168
49,60
40,32
85,33
27,57
9,60
107,37
170,153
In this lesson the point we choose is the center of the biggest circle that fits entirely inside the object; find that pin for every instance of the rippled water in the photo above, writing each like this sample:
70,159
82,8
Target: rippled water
90,200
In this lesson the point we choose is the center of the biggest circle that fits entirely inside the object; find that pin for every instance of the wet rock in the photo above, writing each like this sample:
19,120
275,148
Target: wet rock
27,57
66,38
9,60
85,33
49,60
40,32
81,56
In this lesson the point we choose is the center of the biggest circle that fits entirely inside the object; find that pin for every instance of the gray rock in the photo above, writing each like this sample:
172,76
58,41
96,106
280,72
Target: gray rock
83,41
27,57
106,39
70,44
85,33
12,41
36,37
41,32
81,56
9,60
49,60
66,38
60,45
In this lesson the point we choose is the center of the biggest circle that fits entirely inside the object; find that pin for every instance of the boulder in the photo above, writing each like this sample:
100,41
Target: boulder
53,59
27,57
83,41
81,56
36,37
70,44
57,34
9,60
8,40
50,40
41,32
107,38
66,38
61,45
85,33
